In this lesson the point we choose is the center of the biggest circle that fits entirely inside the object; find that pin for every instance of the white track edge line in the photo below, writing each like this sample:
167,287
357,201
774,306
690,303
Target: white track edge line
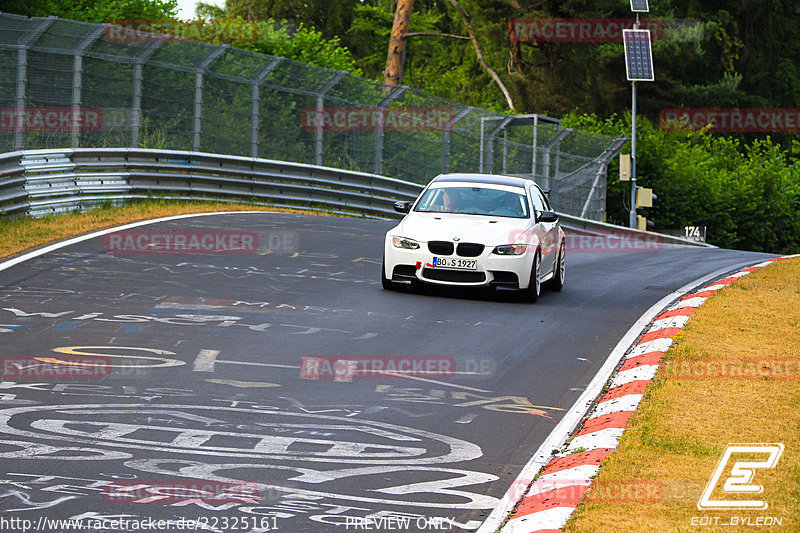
99,233
580,408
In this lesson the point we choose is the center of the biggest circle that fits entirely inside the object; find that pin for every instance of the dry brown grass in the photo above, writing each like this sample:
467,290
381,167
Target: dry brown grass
679,432
22,234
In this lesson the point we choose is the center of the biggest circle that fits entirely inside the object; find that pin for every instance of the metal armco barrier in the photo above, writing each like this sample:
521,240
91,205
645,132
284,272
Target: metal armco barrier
41,182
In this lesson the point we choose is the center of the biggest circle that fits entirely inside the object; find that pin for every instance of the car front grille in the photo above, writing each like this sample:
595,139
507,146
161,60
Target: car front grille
455,276
441,247
469,249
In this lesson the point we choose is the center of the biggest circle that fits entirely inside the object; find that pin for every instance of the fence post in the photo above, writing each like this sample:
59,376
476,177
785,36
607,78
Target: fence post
256,97
136,100
602,166
547,148
490,141
535,145
77,83
388,99
320,113
22,76
198,92
446,138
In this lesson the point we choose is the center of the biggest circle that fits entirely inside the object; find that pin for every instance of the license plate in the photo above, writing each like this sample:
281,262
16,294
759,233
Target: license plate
454,262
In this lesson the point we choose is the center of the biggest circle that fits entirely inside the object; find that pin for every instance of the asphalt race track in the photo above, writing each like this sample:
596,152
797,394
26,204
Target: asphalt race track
220,391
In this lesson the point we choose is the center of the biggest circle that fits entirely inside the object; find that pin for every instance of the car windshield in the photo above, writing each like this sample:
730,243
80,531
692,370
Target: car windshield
474,201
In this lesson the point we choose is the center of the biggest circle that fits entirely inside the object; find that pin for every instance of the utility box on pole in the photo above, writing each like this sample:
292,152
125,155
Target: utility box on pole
644,197
624,167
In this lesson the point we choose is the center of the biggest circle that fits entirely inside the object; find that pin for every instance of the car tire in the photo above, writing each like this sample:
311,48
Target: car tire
531,294
386,283
556,283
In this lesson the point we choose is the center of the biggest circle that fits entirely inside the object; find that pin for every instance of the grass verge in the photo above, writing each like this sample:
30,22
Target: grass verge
694,409
21,234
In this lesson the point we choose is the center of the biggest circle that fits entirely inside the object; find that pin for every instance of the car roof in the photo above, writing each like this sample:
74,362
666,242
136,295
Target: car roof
494,179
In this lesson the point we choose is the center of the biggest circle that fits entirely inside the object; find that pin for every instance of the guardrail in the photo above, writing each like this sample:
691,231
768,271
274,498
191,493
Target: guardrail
41,182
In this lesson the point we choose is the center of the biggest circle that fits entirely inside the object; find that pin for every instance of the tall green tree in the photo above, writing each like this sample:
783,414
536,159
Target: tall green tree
94,10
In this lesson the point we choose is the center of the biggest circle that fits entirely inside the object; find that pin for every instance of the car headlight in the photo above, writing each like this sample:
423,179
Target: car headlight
402,242
510,249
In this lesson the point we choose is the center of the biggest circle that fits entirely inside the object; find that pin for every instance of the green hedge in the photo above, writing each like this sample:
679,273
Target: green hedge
747,192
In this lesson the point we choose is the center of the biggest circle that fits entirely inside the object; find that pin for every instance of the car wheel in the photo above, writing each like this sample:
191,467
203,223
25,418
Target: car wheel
386,283
531,294
556,283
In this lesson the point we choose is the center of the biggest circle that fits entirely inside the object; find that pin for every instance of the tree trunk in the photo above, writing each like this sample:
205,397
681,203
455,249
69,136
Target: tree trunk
396,58
479,53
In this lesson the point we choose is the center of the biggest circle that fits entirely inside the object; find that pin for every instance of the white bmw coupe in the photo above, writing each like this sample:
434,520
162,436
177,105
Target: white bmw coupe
477,230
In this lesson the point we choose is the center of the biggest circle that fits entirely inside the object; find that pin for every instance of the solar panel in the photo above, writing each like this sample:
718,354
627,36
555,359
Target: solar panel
639,6
638,56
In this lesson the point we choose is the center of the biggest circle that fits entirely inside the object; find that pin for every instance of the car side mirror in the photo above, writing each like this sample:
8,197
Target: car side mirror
548,216
402,207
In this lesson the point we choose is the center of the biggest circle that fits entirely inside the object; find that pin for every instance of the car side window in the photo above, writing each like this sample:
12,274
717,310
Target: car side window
543,198
536,198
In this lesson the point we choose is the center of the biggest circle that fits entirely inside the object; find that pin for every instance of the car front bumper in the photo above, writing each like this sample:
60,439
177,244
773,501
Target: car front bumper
501,271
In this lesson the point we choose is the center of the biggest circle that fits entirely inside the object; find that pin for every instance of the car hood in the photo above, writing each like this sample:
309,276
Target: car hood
486,230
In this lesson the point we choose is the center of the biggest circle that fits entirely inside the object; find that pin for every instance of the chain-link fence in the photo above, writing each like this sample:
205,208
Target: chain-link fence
68,84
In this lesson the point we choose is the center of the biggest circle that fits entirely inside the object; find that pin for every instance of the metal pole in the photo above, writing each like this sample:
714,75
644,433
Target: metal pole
256,97
22,76
320,114
22,69
535,145
392,96
77,84
198,93
446,138
77,71
633,222
136,99
505,151
480,159
504,121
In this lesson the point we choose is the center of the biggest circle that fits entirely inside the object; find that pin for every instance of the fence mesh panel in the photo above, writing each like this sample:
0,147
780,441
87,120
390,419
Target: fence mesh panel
73,84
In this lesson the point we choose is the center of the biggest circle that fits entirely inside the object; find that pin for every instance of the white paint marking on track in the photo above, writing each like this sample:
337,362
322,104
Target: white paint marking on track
204,362
640,373
554,518
443,383
677,321
604,438
564,478
567,424
628,402
243,384
247,363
